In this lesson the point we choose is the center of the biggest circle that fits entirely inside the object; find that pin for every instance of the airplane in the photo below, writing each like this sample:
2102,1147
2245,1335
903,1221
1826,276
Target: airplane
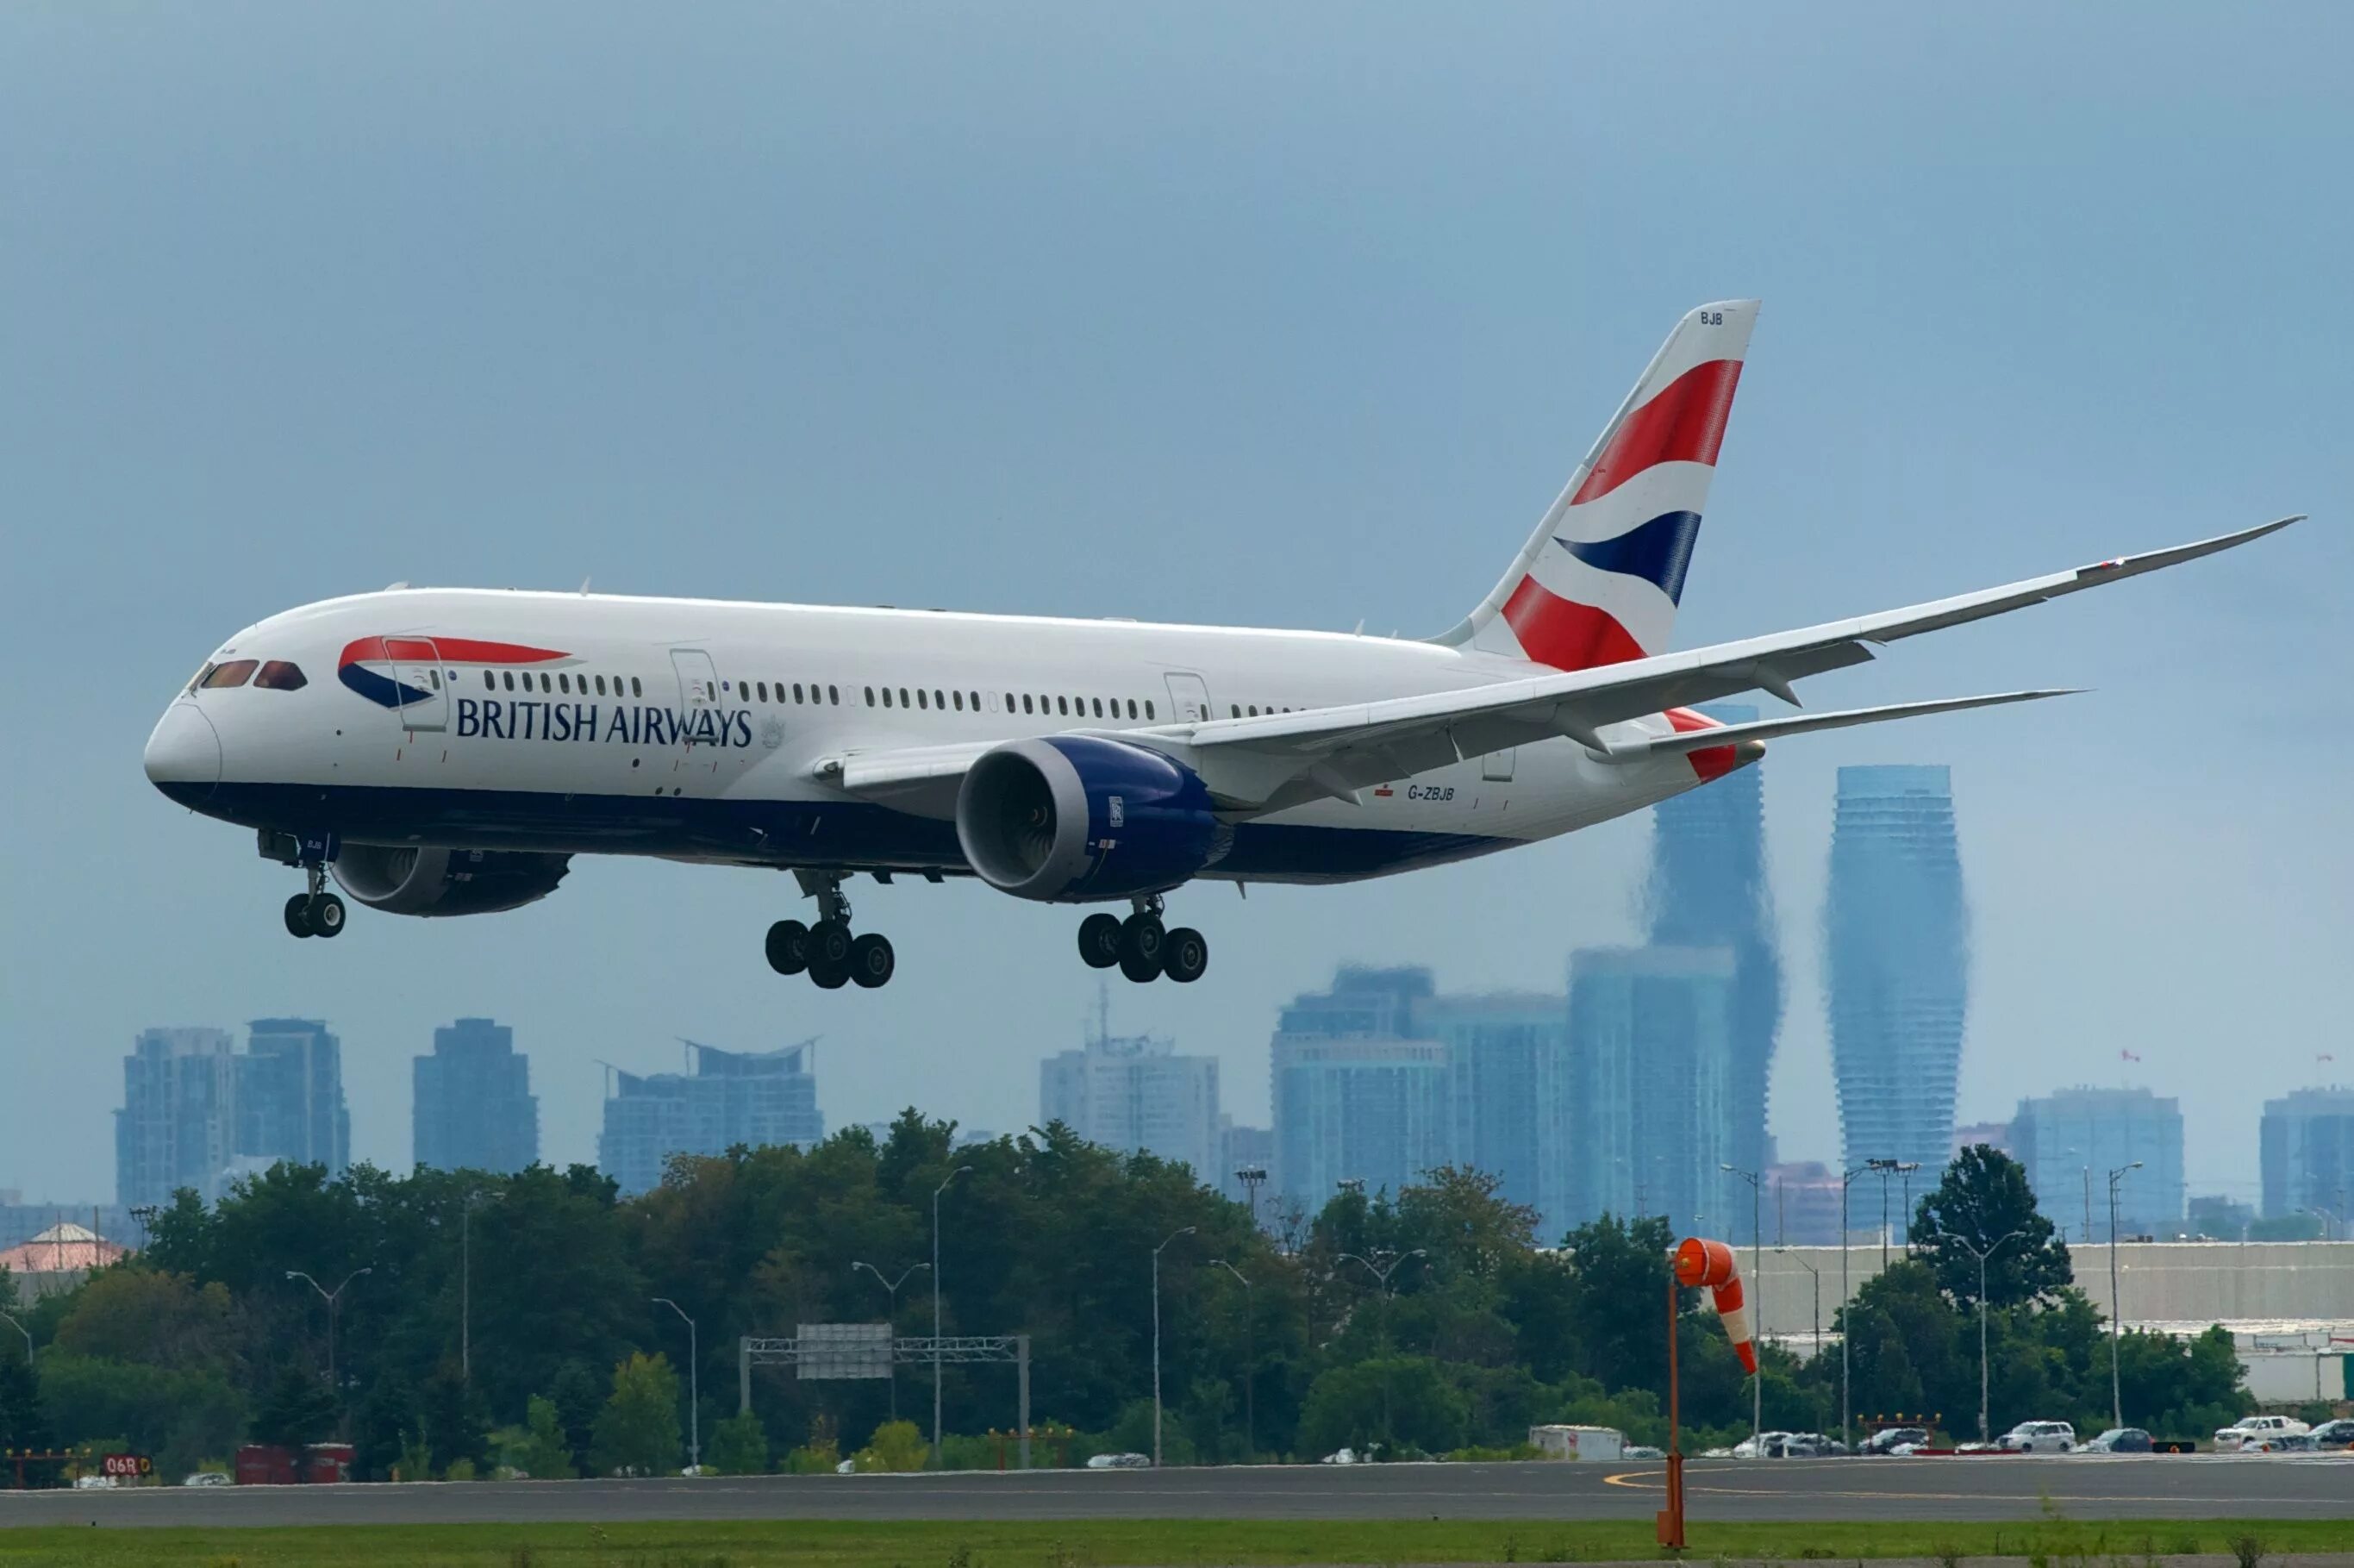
449,751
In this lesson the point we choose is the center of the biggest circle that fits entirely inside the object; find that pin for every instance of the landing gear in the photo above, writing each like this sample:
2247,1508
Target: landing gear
1142,946
827,951
316,913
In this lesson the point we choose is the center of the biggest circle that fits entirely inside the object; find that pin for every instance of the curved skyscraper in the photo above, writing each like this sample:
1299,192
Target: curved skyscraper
1897,949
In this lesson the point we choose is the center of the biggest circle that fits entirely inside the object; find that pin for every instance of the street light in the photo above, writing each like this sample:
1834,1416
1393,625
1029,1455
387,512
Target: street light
1758,1283
2117,1399
892,1287
1250,1360
333,1299
1887,1167
1171,1236
1847,1304
1982,1257
1905,1169
959,1171
1818,1272
28,1338
1252,1177
466,1284
693,1385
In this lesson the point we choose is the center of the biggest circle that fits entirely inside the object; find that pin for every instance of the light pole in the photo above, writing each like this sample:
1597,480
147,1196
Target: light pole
2117,1398
333,1299
1847,1305
1818,1272
28,1338
959,1171
1171,1236
891,1286
1757,1285
1250,1361
693,1385
1885,1169
1382,1276
1982,1257
1905,1168
466,1285
1252,1177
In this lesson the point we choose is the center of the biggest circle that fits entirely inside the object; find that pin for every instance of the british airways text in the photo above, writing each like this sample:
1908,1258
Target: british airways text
493,719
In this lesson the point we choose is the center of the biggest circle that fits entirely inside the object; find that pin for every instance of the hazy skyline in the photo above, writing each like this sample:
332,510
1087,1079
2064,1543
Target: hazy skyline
1294,317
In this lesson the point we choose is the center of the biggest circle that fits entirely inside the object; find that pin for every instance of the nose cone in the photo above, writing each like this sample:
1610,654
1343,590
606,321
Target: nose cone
184,754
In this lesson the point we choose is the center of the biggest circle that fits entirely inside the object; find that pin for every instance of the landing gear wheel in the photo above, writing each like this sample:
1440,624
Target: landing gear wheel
326,916
1099,940
872,960
1141,939
829,945
298,914
1184,954
828,977
789,947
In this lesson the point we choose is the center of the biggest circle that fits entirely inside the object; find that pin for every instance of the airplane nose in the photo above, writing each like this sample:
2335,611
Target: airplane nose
184,754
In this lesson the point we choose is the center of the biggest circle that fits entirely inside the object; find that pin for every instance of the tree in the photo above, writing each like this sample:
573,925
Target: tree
23,1424
1618,1288
739,1445
298,1409
538,1448
1982,1198
895,1445
1399,1401
637,1432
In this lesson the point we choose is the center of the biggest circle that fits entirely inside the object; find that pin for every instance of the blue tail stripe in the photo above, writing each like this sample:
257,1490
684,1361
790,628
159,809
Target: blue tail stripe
1659,551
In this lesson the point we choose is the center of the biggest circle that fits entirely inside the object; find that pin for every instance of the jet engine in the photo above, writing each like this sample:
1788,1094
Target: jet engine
1071,819
411,879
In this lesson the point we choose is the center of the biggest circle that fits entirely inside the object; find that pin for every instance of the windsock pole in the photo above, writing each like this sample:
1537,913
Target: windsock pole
1671,1517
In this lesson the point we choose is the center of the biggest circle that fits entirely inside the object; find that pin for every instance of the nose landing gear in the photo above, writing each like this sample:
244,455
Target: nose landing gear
827,952
1141,947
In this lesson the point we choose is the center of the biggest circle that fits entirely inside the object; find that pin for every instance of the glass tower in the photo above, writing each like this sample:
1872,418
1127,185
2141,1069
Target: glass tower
1897,949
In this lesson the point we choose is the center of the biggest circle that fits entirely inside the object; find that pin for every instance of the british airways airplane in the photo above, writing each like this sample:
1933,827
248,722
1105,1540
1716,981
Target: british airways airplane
448,751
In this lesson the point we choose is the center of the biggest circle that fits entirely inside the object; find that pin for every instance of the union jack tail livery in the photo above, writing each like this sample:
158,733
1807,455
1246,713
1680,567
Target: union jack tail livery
1599,581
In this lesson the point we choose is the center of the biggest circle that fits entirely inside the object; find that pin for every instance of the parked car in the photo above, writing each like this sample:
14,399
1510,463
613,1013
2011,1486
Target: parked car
2334,1435
1119,1462
207,1478
1889,1438
1767,1444
93,1483
2117,1440
1809,1445
2250,1430
2037,1438
1642,1451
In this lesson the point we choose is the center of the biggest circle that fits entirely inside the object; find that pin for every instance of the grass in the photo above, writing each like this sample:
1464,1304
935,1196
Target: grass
1180,1543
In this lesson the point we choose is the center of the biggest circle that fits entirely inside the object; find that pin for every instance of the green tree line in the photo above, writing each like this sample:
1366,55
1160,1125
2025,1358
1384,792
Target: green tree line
511,1321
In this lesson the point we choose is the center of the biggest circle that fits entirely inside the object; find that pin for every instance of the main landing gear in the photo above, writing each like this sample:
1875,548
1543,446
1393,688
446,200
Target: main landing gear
1141,947
316,913
826,951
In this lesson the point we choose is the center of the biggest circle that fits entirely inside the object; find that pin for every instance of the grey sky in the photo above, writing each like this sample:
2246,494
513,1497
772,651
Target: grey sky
1292,314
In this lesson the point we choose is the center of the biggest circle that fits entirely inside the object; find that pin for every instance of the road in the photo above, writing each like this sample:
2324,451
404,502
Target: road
1790,1490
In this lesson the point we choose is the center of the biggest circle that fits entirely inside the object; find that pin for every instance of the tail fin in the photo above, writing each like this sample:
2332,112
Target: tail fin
1599,581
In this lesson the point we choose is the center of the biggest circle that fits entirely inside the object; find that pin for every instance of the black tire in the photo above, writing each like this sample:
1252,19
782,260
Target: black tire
1142,937
789,947
326,916
298,916
872,960
1099,941
1143,971
828,977
829,943
1185,955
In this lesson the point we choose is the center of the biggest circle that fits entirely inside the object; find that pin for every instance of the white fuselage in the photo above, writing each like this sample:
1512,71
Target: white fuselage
700,729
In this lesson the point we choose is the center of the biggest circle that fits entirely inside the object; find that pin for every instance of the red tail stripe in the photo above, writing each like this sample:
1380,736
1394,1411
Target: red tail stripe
1683,423
1564,633
1708,762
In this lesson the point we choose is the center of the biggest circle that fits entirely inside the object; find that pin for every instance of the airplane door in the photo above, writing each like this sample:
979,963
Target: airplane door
1189,697
698,684
416,675
1496,768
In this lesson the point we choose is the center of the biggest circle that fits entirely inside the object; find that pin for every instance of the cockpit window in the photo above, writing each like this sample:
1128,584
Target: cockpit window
279,676
236,673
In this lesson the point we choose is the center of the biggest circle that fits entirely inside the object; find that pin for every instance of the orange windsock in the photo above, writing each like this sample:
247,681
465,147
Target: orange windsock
1710,1265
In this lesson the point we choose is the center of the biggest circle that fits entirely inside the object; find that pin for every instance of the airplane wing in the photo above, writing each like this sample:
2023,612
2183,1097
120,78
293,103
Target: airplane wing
1280,759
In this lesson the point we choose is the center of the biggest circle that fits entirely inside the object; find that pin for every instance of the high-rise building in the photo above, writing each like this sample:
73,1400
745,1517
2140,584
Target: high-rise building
1242,1149
1507,1091
473,1109
1359,1097
1652,1080
2306,1150
1897,951
1994,1135
2063,1136
1802,1204
178,1127
753,1098
289,1096
1708,889
1136,1094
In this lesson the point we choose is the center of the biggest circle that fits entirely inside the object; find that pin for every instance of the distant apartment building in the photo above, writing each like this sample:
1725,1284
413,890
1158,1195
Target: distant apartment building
1897,956
2306,1147
1359,1094
1136,1094
472,1107
1994,1135
753,1098
2069,1141
1506,1082
1802,1204
1652,1082
197,1113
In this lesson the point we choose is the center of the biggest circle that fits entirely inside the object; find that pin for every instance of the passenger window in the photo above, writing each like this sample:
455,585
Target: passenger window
834,695
434,676
1025,702
1099,708
796,691
1148,707
1131,707
601,685
636,690
489,682
542,681
976,701
236,673
903,696
564,684
959,702
1253,710
1061,705
1234,710
279,675
921,700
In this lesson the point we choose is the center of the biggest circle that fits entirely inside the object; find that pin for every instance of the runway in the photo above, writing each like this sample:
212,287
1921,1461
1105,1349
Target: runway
1797,1490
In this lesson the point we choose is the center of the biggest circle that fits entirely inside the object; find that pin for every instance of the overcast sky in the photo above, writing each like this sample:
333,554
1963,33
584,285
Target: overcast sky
1295,315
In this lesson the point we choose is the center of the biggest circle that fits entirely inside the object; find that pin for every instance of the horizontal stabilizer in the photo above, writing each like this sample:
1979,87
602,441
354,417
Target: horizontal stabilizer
1807,723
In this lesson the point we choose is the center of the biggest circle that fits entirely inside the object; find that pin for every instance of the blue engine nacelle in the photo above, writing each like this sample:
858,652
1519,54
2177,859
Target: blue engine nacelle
1078,818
